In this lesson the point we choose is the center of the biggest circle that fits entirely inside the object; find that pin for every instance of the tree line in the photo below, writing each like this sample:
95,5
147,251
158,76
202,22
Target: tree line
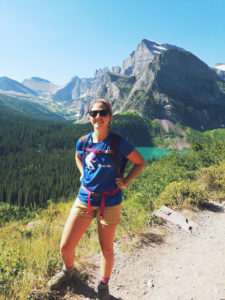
37,157
37,160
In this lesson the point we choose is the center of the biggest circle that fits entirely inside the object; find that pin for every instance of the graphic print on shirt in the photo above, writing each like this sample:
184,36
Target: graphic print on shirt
89,161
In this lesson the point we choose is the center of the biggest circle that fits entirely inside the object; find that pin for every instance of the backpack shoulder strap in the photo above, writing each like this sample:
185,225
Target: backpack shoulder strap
114,145
84,141
83,138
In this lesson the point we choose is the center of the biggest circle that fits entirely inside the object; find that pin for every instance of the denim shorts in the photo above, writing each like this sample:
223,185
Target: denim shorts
112,214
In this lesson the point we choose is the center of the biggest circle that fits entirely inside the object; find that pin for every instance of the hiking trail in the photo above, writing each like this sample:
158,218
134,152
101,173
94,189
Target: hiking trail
167,264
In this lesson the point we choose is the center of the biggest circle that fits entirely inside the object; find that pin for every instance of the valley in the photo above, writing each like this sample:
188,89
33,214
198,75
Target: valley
164,98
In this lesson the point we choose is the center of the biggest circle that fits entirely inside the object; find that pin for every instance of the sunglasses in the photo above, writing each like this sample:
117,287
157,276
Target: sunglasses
102,113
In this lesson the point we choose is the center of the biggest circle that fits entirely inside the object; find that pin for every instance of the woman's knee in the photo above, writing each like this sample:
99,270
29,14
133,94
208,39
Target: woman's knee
107,251
65,249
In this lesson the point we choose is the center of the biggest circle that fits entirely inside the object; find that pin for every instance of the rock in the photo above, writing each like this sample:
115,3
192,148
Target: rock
32,224
150,283
144,293
175,218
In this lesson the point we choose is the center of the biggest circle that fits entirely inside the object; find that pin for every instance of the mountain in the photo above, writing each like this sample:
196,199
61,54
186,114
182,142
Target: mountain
74,89
220,70
79,91
41,86
176,86
14,87
145,53
158,81
15,105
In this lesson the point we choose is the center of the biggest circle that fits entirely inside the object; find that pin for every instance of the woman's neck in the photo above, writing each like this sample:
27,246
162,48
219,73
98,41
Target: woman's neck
99,135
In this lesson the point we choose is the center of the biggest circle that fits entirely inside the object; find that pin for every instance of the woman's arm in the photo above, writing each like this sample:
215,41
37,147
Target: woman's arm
139,163
79,163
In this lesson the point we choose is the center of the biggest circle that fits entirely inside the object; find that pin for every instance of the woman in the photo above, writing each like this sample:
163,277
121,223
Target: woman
99,196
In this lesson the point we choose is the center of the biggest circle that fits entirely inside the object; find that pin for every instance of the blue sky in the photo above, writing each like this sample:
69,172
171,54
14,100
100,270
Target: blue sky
56,39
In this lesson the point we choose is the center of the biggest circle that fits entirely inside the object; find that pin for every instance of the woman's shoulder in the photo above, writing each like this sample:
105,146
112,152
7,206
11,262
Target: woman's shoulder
118,137
82,140
124,146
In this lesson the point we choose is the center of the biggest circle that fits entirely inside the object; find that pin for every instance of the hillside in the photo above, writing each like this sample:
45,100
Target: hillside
41,86
18,105
29,255
10,85
40,154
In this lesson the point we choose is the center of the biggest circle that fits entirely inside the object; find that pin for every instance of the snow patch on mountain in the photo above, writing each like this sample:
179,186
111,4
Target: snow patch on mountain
220,66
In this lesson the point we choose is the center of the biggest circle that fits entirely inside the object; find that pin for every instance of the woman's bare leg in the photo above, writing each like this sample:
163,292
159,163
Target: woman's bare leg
74,228
106,235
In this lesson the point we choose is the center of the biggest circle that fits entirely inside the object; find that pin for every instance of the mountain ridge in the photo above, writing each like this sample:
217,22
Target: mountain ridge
43,87
142,84
13,106
9,85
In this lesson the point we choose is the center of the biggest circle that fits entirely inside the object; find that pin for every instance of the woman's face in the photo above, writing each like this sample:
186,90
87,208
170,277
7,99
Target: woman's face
98,121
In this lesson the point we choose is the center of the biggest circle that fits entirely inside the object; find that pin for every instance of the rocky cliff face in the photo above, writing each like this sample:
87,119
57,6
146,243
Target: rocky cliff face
89,88
74,89
145,53
81,88
176,86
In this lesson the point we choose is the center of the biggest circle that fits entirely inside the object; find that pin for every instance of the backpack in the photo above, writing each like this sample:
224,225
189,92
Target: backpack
114,151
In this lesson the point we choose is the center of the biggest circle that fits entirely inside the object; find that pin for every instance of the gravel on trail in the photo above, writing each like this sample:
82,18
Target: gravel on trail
167,263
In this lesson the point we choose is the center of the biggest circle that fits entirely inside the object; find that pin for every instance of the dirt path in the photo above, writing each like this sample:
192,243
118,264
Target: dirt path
169,264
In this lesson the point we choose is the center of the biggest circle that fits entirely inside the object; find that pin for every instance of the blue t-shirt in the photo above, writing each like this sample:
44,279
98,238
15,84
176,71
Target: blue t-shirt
100,170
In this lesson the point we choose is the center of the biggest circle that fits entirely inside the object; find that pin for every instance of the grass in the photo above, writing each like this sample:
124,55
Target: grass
29,256
200,136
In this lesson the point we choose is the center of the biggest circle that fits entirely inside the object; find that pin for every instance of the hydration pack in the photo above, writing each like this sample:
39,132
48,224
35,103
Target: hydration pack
113,151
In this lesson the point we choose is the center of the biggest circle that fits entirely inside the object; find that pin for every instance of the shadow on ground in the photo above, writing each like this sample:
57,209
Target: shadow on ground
150,237
213,207
77,289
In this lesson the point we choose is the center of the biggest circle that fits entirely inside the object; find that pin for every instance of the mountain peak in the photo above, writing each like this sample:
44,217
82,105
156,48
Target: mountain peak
42,86
145,53
13,86
101,72
220,70
40,79
150,43
220,66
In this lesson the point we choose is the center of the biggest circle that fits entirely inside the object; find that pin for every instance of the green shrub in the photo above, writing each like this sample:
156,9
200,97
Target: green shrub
12,268
14,213
212,179
182,194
